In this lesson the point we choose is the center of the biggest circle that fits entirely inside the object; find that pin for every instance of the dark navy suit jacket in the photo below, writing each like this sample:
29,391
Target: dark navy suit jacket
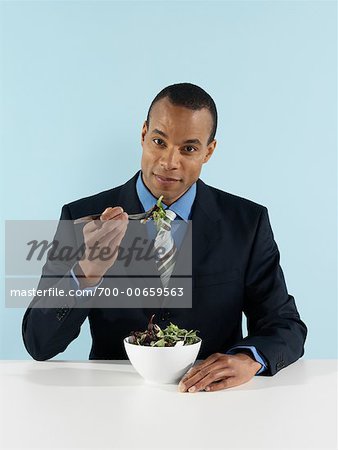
235,268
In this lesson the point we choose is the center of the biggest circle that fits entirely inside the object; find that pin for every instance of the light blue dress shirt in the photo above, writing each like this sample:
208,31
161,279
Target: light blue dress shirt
182,207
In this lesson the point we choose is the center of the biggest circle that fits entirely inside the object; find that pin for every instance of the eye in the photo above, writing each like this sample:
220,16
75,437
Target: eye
158,142
190,149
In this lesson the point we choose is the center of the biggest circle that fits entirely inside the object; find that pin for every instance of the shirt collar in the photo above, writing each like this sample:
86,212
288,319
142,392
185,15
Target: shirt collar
182,206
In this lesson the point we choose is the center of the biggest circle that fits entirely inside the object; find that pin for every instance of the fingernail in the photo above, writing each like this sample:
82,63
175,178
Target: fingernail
192,389
207,388
181,387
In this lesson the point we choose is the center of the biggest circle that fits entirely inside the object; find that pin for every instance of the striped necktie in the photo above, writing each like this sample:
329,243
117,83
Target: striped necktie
165,249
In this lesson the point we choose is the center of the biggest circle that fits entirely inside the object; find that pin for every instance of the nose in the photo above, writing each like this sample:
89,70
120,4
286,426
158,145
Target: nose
170,159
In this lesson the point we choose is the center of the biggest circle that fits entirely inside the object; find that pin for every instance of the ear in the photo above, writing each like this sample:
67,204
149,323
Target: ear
210,150
144,131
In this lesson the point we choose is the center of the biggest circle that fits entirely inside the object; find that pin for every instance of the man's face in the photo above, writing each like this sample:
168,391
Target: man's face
174,148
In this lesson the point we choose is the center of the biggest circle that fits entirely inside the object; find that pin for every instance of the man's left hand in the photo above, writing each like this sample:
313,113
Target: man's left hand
219,371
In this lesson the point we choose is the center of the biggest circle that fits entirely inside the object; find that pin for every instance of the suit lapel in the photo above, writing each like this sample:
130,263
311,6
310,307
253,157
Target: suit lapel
205,231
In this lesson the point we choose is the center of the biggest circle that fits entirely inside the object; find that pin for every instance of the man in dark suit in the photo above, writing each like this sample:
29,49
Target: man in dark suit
235,260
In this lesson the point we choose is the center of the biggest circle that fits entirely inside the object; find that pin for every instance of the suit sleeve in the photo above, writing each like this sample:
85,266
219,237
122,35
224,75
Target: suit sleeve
51,323
274,324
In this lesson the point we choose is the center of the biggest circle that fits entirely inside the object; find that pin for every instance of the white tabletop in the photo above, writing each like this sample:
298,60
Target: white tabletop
106,404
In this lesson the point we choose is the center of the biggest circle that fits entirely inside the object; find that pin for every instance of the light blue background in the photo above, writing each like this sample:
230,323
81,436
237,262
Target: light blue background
76,82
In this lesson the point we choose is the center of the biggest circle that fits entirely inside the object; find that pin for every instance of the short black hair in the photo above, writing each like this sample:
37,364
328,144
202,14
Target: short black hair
190,96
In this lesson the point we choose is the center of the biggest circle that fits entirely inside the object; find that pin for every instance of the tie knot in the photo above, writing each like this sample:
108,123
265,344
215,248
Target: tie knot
170,214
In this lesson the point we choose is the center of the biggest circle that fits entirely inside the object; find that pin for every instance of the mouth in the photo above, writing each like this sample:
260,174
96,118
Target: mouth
166,180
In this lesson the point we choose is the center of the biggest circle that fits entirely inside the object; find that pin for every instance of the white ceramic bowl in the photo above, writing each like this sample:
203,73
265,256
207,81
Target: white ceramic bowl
162,364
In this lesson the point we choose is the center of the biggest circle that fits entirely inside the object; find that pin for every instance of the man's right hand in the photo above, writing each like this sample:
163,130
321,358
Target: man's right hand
102,237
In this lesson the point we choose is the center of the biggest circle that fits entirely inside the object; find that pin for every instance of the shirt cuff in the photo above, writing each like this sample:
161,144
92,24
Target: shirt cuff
255,354
88,288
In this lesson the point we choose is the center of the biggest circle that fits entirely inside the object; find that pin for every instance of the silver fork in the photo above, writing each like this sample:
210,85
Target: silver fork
139,216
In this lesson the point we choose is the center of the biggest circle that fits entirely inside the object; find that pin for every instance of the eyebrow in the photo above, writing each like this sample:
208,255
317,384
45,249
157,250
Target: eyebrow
189,141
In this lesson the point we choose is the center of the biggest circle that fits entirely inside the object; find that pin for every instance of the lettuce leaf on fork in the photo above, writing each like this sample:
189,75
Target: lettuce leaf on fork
158,213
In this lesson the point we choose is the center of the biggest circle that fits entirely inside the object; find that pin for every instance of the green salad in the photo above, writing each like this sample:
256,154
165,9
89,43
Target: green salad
154,336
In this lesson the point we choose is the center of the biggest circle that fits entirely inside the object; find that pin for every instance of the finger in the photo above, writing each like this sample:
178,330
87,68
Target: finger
97,224
91,226
204,364
190,378
107,227
116,240
113,228
206,376
118,223
107,251
120,220
223,384
110,235
195,377
108,213
212,377
111,213
209,360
